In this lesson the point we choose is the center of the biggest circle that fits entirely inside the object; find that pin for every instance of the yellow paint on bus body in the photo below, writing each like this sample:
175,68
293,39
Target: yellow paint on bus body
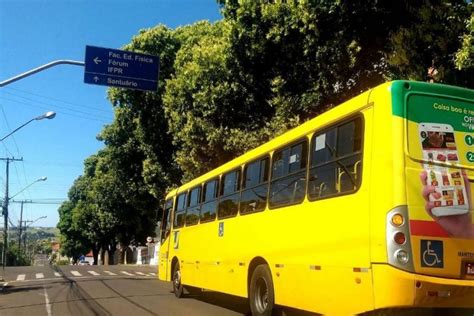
331,256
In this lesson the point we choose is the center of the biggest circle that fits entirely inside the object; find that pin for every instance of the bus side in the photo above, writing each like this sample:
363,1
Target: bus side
317,251
333,244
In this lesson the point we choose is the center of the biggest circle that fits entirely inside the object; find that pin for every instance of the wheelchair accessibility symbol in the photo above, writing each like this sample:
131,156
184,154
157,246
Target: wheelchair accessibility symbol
432,253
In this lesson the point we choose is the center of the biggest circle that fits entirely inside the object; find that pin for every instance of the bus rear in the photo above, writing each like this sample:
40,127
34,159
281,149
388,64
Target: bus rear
430,240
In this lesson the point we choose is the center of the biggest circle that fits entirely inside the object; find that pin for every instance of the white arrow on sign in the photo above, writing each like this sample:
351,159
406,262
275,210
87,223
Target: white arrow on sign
96,78
97,60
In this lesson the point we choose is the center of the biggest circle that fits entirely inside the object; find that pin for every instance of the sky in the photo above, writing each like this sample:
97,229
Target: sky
36,32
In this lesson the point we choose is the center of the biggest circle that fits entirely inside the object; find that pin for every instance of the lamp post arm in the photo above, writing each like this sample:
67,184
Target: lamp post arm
17,129
41,68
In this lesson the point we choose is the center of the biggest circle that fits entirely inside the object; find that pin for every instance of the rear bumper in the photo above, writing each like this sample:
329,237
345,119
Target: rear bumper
396,288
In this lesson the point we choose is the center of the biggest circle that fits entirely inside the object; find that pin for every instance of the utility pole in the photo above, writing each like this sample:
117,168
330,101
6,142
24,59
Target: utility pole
24,235
5,212
19,229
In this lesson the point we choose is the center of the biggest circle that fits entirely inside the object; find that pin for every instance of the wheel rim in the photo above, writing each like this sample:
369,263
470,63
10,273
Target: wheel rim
261,295
177,279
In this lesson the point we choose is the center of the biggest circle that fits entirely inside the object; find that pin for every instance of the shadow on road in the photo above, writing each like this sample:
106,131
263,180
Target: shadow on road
240,305
17,289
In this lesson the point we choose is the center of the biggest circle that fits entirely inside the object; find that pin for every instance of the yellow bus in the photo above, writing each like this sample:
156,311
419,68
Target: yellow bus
366,207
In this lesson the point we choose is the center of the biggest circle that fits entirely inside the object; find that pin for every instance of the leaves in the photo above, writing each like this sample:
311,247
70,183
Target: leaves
229,86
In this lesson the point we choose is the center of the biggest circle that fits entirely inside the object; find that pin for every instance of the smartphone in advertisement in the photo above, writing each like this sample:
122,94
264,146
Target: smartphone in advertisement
441,164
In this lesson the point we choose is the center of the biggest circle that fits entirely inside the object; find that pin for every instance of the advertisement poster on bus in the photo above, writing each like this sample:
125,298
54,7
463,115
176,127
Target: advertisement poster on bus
441,145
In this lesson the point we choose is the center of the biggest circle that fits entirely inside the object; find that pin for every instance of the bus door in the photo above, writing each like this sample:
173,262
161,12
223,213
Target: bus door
164,269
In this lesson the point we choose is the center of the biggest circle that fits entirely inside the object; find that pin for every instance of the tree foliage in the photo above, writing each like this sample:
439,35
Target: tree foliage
226,87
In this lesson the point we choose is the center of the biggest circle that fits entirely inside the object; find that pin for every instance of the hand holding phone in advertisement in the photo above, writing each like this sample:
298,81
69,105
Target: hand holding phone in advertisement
458,226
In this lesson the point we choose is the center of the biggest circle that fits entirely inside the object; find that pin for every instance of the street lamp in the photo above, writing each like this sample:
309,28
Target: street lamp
5,213
36,221
21,213
48,115
26,227
29,185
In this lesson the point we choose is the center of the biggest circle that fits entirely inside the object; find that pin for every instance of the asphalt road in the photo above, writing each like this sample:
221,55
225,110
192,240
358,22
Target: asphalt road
103,290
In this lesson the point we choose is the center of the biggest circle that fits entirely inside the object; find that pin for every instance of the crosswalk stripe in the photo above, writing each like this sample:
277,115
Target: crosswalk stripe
93,273
57,274
110,273
125,272
39,275
20,277
76,273
140,273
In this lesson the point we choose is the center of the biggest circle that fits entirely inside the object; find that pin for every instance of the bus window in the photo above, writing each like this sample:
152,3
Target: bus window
209,203
230,195
192,213
180,212
254,186
166,222
336,160
289,175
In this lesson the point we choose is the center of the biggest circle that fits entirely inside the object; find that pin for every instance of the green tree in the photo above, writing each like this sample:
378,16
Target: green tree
73,239
465,54
140,115
16,257
228,86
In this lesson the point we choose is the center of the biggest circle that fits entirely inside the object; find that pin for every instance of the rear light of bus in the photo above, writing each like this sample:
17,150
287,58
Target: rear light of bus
397,220
398,239
402,256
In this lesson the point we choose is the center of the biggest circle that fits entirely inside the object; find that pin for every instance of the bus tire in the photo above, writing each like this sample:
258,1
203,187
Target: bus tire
178,288
261,292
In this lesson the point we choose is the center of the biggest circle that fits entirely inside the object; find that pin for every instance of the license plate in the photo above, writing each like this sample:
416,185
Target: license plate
469,268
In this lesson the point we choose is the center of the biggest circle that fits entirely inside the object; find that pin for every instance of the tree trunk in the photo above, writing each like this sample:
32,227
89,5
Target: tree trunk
95,253
102,255
112,248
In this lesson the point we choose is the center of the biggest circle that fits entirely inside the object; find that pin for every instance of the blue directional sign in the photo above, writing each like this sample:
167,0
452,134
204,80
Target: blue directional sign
118,68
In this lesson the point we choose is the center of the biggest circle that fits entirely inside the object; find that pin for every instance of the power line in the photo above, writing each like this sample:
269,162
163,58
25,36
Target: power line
17,149
58,100
63,113
48,104
51,201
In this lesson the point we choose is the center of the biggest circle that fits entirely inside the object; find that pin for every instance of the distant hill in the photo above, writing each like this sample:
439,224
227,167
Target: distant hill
36,233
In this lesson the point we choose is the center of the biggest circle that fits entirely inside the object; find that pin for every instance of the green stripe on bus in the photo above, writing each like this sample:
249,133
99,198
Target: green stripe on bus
436,103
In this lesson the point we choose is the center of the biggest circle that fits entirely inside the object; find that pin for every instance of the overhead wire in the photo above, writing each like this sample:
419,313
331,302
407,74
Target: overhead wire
59,100
55,105
17,149
67,111
63,113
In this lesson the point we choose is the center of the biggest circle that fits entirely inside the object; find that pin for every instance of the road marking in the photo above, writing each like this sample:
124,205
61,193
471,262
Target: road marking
76,273
57,274
110,273
152,274
39,275
93,273
140,273
46,300
126,273
20,277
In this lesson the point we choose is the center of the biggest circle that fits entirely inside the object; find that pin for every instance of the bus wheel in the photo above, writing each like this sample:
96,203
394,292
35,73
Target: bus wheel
177,286
261,292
